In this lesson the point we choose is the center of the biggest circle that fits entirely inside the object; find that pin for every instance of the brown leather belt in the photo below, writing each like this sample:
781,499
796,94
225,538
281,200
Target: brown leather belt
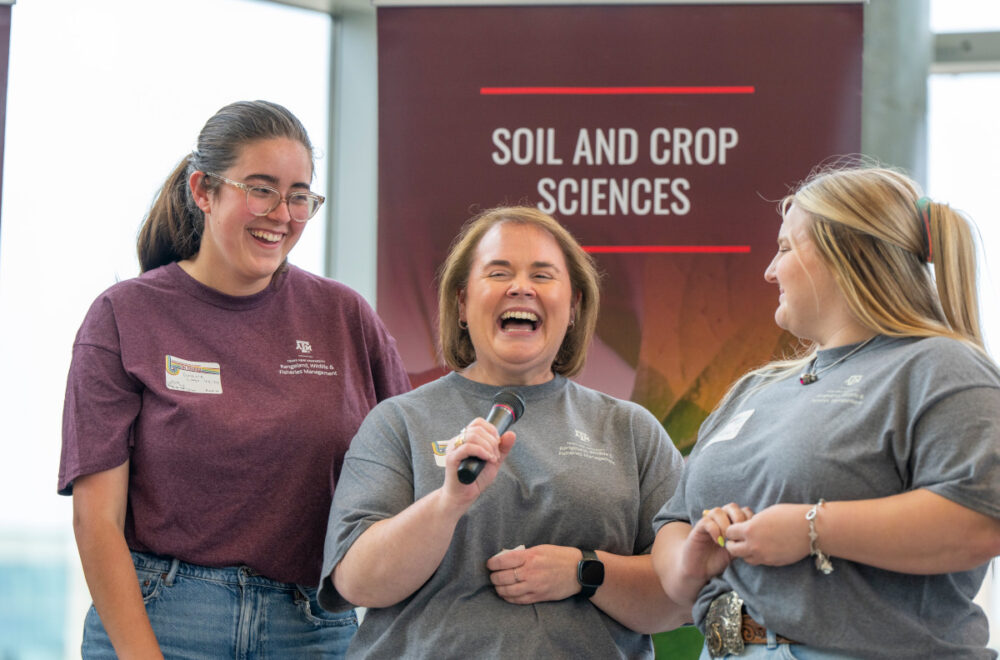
754,633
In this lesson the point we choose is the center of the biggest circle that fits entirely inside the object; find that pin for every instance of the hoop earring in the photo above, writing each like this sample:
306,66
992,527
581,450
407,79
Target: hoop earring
463,324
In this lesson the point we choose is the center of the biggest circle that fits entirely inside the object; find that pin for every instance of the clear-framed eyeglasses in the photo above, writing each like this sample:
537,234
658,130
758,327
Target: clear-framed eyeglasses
261,200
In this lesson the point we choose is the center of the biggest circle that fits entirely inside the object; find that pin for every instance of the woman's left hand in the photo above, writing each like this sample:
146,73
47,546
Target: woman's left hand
536,574
776,536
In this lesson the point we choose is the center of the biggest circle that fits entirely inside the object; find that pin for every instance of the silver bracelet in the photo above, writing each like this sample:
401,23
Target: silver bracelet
822,560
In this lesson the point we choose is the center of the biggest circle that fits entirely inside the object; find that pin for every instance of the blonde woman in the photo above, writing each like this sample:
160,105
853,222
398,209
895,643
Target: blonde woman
846,504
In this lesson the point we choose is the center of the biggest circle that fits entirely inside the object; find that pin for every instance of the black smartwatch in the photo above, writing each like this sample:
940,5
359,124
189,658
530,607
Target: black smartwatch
589,573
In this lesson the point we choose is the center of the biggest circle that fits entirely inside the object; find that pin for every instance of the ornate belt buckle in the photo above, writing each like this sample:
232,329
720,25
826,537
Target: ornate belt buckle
722,625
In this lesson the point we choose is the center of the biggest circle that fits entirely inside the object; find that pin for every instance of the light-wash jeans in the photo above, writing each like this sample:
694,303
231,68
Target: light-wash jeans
775,651
201,612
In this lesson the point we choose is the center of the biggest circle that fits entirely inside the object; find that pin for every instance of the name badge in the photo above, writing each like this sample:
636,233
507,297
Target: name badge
190,376
731,429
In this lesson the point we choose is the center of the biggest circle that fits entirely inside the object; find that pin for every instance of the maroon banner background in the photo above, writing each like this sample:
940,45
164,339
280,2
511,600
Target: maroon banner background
719,108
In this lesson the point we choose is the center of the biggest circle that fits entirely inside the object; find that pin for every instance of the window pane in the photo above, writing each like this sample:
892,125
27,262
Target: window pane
963,170
965,15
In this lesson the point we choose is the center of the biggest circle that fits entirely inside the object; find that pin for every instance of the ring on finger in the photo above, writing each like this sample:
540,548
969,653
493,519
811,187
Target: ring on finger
516,578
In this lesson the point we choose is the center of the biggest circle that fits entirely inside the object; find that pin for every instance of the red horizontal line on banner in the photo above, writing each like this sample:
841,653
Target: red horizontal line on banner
744,89
668,249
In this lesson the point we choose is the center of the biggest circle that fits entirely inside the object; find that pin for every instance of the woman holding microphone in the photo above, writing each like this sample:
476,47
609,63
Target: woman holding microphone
544,553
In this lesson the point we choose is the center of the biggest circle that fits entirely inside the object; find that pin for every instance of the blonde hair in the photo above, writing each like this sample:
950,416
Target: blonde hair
878,235
456,346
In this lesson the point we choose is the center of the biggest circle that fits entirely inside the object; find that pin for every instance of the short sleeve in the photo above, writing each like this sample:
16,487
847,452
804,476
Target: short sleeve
102,401
956,450
376,483
388,372
659,478
674,510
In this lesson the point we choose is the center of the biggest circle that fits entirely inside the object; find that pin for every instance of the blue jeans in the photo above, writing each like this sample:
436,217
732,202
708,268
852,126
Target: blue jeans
201,612
775,651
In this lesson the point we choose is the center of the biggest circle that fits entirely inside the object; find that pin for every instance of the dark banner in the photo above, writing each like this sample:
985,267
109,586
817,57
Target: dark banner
662,136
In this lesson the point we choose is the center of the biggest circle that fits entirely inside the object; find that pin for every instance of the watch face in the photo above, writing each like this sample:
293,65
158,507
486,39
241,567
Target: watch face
591,572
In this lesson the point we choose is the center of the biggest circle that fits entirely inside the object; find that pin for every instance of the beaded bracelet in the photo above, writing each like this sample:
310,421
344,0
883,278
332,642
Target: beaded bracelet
822,561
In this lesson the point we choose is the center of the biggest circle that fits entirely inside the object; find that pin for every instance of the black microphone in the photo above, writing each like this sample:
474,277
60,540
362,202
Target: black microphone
508,406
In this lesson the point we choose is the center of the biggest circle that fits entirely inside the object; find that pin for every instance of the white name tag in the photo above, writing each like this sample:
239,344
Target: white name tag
189,376
731,429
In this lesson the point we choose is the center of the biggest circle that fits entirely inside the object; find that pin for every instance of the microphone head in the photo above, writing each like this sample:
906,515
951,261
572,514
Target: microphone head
512,400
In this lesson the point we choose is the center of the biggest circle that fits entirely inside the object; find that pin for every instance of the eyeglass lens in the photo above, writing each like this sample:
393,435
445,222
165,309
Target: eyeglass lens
301,206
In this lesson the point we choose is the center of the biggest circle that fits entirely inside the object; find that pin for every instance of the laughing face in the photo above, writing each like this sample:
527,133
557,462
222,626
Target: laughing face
518,304
240,251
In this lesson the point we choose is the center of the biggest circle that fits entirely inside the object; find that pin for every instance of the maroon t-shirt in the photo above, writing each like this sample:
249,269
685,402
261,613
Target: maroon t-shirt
235,412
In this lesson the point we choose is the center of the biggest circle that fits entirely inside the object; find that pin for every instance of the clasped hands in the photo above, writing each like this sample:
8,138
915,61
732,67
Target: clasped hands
777,536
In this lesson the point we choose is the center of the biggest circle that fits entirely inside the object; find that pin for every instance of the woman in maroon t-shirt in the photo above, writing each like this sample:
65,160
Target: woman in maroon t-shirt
209,405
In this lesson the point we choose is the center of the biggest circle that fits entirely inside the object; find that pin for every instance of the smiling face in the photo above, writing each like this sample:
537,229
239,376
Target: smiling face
517,303
240,251
810,304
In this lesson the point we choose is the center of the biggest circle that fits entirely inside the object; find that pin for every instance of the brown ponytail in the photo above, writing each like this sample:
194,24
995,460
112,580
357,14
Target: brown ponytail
172,230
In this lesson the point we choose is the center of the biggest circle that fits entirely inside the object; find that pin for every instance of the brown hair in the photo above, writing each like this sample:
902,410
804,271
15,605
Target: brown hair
172,229
456,346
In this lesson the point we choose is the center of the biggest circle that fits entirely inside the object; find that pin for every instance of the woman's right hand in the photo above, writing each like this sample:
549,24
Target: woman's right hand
704,551
686,557
480,440
398,554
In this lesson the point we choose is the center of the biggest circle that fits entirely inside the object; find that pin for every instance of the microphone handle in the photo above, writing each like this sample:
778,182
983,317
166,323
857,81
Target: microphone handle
470,467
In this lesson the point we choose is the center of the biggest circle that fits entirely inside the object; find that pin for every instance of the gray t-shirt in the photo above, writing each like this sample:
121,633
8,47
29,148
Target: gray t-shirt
899,415
588,471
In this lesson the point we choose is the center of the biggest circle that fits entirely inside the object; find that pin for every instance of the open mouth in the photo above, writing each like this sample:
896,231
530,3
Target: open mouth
263,236
519,320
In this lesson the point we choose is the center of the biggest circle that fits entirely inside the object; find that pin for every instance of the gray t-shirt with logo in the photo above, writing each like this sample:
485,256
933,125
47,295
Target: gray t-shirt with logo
587,471
899,415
